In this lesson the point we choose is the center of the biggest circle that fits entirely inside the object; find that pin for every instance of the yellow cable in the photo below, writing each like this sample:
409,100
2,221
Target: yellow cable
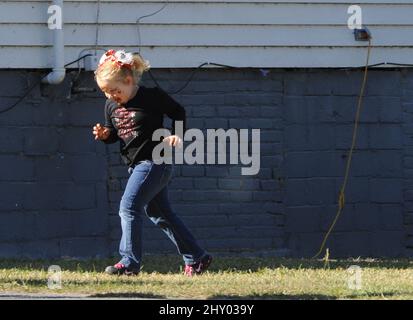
341,198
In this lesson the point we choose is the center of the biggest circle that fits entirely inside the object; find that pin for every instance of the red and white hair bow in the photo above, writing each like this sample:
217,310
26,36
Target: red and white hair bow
120,57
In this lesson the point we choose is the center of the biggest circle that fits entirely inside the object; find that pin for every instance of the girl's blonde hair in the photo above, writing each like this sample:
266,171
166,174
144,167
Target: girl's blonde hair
111,71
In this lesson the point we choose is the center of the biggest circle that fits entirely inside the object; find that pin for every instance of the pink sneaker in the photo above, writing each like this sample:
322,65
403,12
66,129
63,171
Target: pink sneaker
119,269
198,267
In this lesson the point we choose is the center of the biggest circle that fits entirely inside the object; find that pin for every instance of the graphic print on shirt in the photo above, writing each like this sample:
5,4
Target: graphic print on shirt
125,122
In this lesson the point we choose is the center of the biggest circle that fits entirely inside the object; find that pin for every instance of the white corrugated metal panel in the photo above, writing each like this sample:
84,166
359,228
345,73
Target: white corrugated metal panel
187,33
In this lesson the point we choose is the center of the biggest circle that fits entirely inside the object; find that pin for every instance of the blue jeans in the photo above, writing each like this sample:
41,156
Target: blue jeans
147,192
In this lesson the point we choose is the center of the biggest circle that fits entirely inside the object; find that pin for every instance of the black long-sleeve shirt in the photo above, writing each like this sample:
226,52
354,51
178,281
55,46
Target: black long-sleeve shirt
133,123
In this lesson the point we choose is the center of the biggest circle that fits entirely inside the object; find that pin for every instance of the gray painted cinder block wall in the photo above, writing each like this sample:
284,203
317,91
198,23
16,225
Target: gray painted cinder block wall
319,111
60,189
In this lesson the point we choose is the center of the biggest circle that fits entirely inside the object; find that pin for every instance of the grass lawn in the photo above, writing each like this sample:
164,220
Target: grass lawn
228,277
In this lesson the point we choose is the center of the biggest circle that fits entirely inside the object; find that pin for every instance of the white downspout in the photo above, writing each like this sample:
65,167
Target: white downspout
59,72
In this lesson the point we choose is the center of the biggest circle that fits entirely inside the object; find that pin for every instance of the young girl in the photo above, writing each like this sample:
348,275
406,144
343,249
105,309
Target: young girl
132,114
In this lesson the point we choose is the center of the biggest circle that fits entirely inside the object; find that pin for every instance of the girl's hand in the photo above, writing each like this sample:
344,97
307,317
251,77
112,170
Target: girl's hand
173,140
101,133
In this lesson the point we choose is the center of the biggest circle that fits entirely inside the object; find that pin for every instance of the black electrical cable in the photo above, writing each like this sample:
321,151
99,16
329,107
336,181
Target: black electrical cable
191,76
375,65
398,64
24,96
36,83
146,16
232,67
74,61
